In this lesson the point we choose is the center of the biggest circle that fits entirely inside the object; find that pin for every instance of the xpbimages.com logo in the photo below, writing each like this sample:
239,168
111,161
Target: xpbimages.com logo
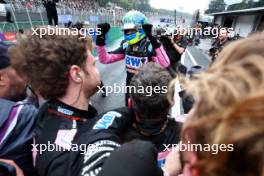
50,147
214,32
123,89
213,148
51,30
81,148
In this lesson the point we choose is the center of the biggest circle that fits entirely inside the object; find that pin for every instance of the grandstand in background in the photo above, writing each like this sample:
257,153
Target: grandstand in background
30,13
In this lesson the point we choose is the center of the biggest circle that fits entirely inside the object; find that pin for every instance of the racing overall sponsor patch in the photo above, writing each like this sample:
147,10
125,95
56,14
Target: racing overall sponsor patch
65,111
134,62
65,137
106,121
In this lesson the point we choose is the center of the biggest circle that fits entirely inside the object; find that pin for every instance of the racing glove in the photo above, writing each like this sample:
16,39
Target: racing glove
100,39
148,31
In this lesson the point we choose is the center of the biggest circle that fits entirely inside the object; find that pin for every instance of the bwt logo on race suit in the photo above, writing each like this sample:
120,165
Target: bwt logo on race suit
134,62
107,120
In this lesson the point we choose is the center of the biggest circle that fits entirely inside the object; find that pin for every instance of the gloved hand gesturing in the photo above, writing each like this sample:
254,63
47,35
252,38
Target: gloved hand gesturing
104,28
148,31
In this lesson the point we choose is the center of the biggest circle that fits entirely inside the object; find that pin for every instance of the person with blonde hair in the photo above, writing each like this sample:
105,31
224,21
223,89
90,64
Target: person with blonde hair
237,74
228,113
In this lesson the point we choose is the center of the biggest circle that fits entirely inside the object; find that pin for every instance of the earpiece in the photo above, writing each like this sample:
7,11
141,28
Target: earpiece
79,75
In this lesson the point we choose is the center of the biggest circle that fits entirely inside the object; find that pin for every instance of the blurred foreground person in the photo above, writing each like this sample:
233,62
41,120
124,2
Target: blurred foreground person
12,86
17,118
228,112
239,134
9,167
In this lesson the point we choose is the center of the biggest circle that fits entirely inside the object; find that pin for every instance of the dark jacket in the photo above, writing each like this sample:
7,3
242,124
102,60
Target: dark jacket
55,123
50,5
103,134
17,124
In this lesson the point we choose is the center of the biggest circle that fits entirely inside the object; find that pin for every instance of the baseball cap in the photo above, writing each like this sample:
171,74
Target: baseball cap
4,59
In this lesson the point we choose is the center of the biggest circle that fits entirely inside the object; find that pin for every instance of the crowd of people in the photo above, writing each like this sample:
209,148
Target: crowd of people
54,8
90,6
48,125
76,4
80,4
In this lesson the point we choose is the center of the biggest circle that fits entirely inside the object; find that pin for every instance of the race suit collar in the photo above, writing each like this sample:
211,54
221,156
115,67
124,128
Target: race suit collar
151,129
63,110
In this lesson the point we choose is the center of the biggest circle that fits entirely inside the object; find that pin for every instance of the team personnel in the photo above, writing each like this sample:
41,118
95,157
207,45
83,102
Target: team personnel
62,70
138,48
146,119
151,111
101,136
68,79
17,118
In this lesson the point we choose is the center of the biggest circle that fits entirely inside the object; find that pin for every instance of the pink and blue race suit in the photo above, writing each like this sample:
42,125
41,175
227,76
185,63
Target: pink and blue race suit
135,56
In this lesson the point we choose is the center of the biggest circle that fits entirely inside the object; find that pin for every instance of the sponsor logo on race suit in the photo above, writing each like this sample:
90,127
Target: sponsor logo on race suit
107,120
65,111
134,62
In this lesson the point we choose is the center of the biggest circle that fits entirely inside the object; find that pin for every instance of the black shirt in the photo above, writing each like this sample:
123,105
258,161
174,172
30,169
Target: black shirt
50,4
